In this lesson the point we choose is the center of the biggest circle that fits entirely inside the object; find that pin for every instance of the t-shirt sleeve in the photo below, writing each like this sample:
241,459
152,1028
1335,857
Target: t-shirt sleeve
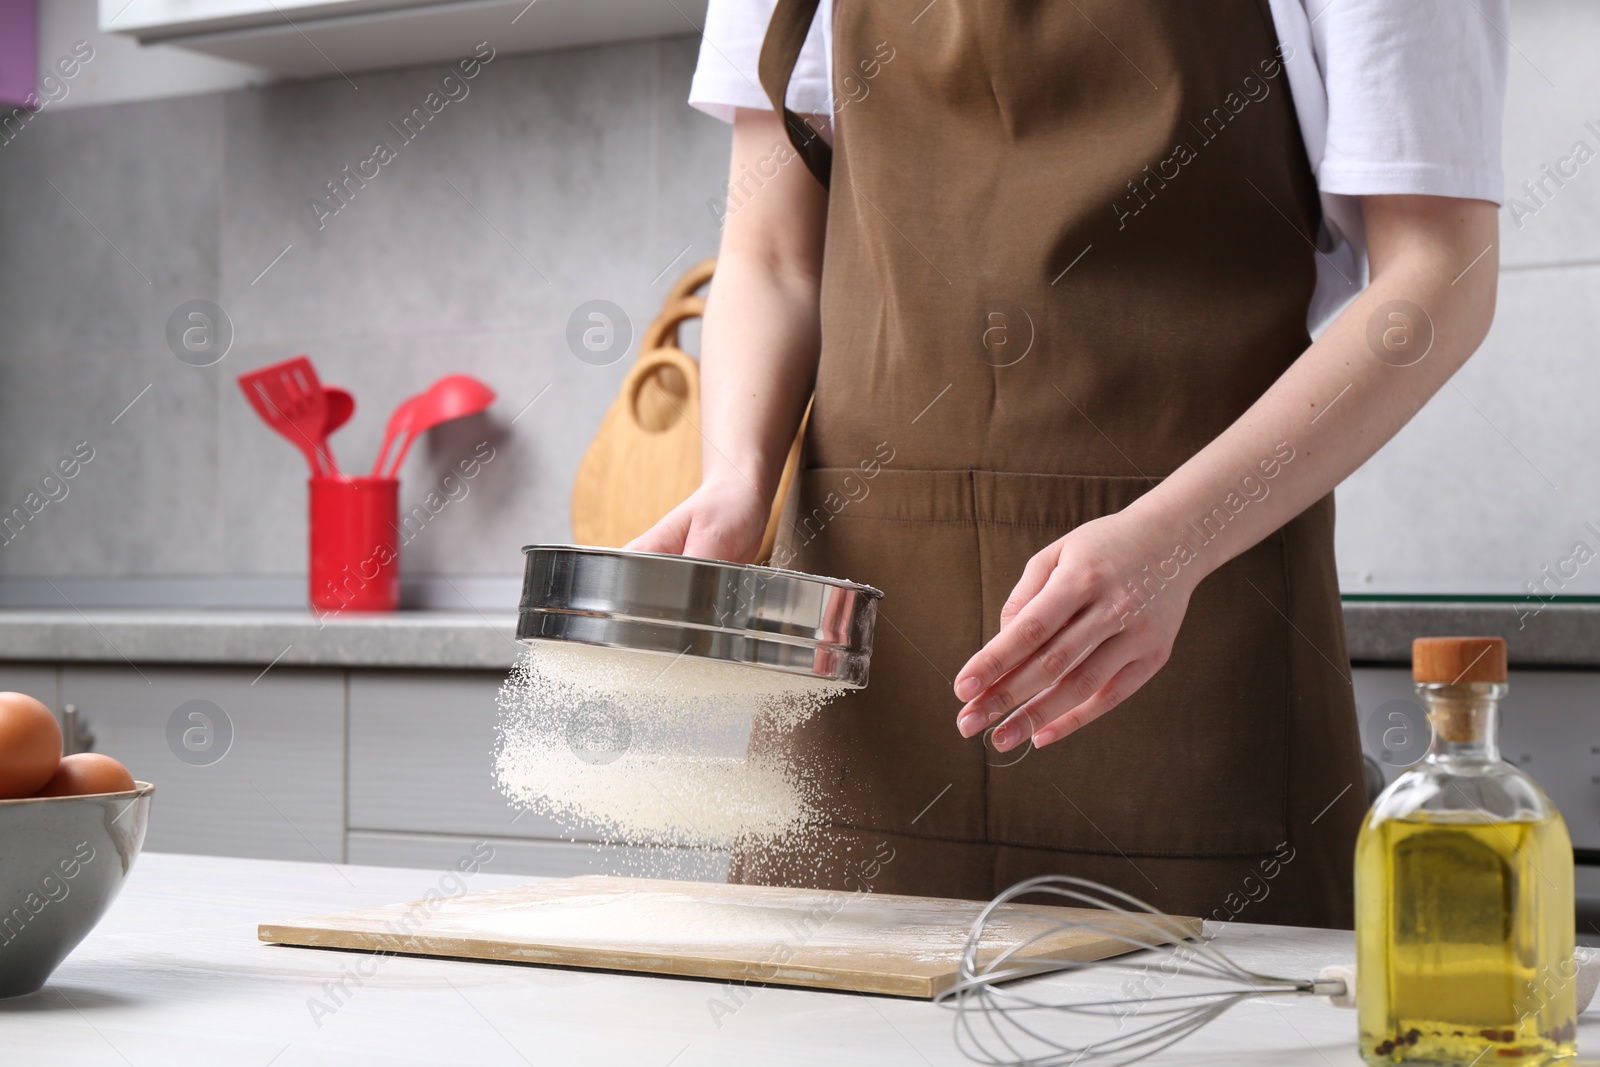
725,77
1416,92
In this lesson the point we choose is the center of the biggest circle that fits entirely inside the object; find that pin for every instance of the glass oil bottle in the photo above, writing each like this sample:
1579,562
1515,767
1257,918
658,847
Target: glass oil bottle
1464,896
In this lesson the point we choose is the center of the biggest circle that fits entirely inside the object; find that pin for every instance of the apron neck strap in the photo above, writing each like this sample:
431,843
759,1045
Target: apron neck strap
780,51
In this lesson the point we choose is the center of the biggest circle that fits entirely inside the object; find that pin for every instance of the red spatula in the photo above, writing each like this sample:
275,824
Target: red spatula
289,398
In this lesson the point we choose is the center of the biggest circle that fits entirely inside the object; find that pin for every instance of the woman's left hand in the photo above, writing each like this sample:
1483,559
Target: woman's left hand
1075,641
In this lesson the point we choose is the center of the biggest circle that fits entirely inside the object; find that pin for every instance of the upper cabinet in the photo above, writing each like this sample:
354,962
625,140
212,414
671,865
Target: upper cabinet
317,38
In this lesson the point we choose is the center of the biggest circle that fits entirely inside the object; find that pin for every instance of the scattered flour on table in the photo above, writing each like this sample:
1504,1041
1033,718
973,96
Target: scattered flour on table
650,750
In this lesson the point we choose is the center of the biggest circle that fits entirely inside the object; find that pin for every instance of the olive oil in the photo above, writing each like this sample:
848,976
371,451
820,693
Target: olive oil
1464,896
1468,933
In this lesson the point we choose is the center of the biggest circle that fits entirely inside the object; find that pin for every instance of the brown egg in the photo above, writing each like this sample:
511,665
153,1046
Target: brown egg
83,773
30,745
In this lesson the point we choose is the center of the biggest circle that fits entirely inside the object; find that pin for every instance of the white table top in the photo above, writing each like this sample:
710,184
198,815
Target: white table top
174,976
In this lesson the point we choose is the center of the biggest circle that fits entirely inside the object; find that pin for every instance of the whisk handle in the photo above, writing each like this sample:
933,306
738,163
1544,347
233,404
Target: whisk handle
1336,983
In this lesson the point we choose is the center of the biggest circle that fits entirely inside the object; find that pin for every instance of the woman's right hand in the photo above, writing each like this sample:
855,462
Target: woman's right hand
723,520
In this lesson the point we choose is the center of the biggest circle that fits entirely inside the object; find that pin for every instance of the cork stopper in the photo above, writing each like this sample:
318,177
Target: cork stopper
1458,660
1458,718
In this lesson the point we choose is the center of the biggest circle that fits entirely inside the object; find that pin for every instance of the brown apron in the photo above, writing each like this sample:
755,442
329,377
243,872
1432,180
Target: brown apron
1068,244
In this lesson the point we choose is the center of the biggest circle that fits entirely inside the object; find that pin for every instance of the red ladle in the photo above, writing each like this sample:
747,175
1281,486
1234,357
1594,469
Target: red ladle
454,396
341,405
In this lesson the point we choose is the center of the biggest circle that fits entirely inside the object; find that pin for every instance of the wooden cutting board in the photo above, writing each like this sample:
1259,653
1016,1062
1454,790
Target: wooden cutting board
645,456
864,942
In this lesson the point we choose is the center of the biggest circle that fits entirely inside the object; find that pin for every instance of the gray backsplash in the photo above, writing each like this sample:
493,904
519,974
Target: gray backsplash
559,178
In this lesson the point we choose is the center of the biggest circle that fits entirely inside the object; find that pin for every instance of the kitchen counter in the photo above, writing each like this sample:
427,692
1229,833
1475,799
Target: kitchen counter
1559,634
414,639
174,976
1562,633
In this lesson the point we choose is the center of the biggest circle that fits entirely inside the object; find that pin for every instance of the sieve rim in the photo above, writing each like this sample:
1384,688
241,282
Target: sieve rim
765,617
625,553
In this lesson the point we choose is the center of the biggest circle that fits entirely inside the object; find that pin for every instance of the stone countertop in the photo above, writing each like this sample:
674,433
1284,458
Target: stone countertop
174,975
1556,634
1560,634
414,639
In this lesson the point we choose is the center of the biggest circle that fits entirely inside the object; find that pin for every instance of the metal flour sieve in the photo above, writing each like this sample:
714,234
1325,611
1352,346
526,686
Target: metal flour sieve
680,605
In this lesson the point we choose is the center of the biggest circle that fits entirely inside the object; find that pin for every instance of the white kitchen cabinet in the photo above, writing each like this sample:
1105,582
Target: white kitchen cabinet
276,791
1548,727
37,680
422,757
422,787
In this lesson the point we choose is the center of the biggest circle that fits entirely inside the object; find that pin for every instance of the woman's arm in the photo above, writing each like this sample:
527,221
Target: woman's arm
759,346
1075,642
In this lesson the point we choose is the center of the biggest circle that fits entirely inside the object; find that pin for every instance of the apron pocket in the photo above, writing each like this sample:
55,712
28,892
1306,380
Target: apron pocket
1195,762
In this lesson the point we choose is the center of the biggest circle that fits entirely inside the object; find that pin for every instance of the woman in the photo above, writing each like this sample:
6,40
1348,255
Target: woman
1049,289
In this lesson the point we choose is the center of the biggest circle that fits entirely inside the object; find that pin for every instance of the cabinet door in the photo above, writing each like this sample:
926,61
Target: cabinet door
1549,728
38,680
422,757
245,763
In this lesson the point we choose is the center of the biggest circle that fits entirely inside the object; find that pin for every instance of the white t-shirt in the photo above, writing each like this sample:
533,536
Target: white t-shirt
1393,96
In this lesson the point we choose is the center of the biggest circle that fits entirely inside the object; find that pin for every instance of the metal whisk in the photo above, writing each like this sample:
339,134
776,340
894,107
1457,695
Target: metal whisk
1166,996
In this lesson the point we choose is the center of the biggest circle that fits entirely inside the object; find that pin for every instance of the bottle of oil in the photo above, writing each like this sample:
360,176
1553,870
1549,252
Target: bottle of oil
1464,905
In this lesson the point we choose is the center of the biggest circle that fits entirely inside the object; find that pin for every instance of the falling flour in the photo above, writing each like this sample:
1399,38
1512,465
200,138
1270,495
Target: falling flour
652,750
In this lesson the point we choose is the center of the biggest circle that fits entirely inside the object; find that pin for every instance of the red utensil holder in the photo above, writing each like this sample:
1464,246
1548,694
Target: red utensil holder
355,550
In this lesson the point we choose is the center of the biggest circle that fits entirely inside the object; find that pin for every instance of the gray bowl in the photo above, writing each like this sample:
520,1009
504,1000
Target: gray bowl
62,863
